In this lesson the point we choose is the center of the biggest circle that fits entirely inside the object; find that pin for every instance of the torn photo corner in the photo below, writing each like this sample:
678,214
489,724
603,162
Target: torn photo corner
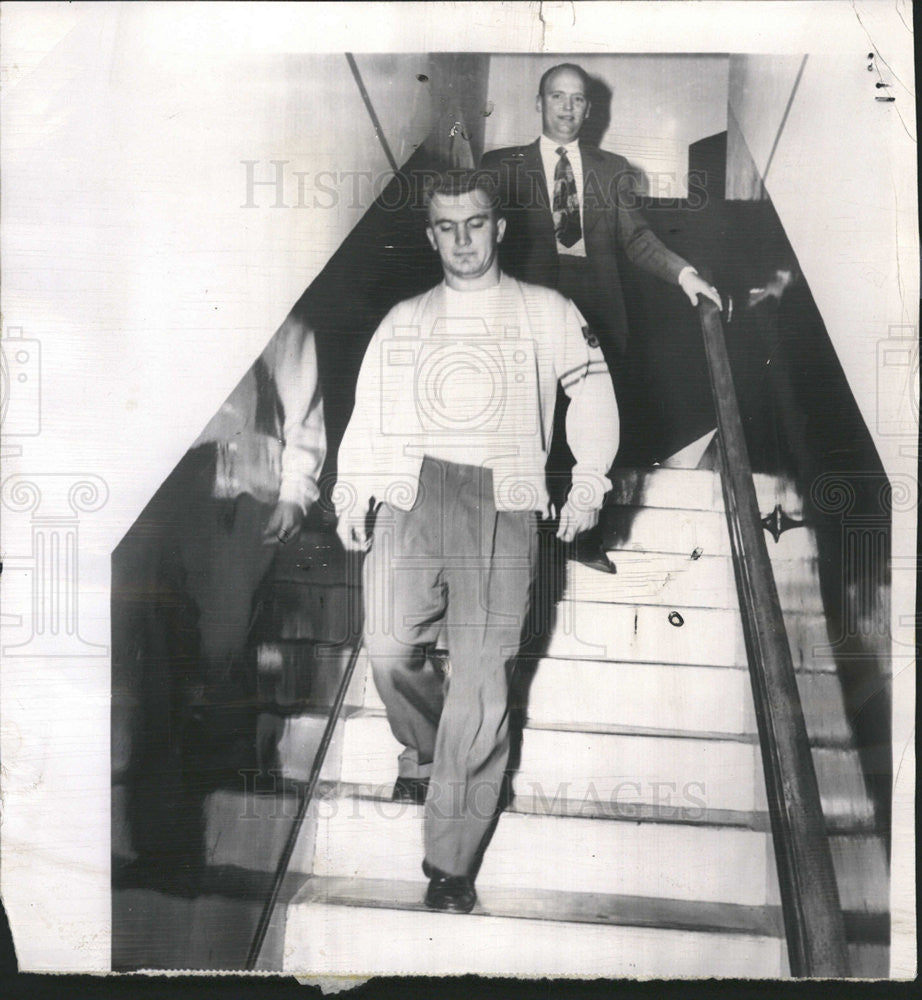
322,655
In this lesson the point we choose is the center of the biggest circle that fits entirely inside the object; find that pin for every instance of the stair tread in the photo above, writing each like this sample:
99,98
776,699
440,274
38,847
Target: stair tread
749,738
598,729
555,905
521,804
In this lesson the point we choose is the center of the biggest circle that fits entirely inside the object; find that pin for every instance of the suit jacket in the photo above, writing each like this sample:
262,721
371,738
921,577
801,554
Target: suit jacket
611,220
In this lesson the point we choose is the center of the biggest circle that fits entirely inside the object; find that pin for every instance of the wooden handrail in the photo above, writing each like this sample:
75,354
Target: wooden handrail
813,921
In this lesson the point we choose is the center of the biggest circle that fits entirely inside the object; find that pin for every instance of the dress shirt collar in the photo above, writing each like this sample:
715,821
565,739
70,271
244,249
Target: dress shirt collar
549,147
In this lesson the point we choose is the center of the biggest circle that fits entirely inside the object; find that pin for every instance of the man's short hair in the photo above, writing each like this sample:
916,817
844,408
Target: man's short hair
572,67
452,183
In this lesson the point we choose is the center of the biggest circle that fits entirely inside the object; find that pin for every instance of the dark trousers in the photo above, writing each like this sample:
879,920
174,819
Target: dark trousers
455,563
576,282
224,560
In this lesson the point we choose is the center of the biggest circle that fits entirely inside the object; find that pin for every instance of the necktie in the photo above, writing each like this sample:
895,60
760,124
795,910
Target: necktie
565,208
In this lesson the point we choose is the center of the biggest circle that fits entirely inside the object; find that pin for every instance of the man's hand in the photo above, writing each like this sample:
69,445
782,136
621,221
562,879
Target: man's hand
574,520
694,285
284,523
352,534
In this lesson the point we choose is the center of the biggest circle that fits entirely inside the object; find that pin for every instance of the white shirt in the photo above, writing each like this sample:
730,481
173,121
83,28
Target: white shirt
461,384
550,158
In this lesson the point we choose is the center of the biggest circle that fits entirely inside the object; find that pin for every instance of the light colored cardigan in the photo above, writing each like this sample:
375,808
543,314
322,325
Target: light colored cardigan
543,340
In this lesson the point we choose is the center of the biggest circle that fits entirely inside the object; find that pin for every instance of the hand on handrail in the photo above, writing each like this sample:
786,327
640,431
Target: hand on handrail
694,286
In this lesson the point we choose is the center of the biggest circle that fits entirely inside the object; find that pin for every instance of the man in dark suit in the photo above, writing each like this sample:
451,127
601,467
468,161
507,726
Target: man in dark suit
569,208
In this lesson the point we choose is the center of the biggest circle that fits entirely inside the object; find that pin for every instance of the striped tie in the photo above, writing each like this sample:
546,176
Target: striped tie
566,204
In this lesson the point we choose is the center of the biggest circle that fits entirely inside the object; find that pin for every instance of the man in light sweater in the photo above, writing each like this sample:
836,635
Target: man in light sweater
447,446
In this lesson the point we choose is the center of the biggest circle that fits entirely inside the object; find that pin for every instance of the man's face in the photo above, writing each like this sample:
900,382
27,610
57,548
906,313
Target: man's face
563,106
465,231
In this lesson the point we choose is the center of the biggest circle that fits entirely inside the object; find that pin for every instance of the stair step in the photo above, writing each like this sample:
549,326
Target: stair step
347,939
571,907
246,829
655,577
694,489
629,770
544,801
688,699
627,935
374,838
698,636
656,696
299,737
677,530
608,767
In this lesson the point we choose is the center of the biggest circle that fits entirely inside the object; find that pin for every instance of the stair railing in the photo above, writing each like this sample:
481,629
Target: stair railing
305,797
813,921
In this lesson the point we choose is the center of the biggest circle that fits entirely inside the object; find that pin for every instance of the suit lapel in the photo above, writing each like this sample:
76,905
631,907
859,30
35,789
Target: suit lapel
535,181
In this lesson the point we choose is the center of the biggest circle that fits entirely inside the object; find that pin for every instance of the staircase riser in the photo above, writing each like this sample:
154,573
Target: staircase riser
384,840
647,529
345,939
696,774
705,636
584,693
361,837
694,489
670,578
376,839
298,745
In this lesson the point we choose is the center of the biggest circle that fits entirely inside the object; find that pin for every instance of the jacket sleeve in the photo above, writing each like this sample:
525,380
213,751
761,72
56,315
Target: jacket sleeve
592,418
642,247
292,357
362,449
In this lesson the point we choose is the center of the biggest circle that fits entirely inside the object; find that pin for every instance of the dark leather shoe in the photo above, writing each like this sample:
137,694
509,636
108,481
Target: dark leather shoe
591,553
410,790
449,893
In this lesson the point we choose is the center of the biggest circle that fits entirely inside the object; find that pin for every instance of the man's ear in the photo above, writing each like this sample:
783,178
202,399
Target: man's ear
430,235
588,109
500,229
538,107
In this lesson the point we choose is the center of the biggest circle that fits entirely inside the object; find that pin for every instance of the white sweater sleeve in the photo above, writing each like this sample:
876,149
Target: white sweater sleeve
292,357
362,449
592,417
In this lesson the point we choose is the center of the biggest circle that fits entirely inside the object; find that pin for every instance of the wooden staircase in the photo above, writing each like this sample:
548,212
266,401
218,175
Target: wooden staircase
637,842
